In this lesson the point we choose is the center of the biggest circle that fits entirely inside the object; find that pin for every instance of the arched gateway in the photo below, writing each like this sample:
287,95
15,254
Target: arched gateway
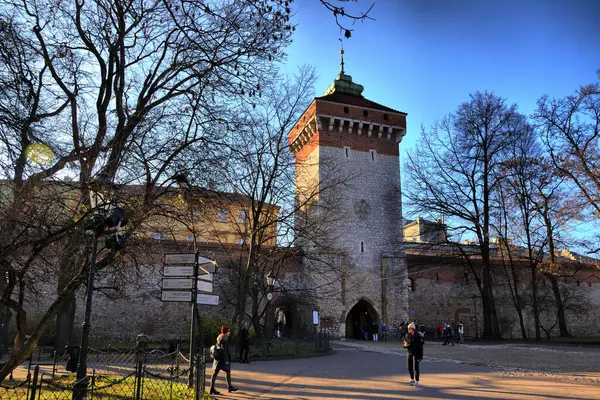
362,319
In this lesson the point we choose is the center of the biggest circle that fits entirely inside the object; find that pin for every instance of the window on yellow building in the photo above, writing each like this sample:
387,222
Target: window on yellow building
242,216
159,236
222,215
190,238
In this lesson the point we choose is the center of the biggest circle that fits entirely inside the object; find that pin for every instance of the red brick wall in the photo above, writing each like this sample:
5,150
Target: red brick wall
355,112
334,138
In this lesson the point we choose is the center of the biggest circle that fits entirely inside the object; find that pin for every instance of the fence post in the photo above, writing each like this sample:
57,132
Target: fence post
36,372
53,363
91,390
141,346
197,386
203,370
177,359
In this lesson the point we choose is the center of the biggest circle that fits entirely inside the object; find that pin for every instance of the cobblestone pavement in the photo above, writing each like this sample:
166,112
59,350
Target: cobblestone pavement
572,362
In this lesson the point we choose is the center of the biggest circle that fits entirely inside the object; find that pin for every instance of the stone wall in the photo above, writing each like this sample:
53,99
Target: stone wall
441,300
368,231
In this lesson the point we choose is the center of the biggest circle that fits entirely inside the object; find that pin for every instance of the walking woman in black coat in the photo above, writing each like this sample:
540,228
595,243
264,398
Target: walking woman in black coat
222,360
414,344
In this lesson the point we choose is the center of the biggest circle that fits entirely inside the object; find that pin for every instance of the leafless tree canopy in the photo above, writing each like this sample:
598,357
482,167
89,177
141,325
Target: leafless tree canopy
126,90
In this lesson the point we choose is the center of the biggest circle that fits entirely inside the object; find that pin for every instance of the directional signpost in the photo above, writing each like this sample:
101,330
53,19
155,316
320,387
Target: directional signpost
181,271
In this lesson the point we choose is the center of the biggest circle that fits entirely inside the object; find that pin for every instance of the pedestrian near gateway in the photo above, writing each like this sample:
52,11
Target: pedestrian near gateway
244,340
222,360
413,342
460,332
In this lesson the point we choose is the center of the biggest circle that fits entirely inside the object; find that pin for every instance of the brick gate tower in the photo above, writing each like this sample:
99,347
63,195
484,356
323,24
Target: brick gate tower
346,149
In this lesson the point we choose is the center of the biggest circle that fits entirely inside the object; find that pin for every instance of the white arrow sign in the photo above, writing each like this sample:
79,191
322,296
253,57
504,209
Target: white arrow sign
183,283
180,258
205,286
208,267
207,299
179,270
176,296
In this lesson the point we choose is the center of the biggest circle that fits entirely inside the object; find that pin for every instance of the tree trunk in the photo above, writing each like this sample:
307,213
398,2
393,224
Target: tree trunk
534,303
245,283
562,323
5,317
491,329
522,324
64,323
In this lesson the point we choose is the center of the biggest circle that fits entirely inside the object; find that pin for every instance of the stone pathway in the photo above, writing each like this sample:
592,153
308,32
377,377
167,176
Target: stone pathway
566,362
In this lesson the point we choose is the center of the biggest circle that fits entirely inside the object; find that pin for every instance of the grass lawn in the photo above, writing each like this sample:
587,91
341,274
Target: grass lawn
104,389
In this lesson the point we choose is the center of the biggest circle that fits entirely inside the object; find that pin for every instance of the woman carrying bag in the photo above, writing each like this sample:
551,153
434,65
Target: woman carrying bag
222,360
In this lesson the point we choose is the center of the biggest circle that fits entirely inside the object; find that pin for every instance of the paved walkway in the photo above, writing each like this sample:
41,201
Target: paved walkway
562,361
363,371
367,370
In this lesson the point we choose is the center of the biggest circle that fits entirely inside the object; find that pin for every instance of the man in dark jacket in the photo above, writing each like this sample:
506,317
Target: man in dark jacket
413,342
222,360
244,344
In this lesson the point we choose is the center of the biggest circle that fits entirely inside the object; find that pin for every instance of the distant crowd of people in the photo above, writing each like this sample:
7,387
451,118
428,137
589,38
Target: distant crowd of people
446,332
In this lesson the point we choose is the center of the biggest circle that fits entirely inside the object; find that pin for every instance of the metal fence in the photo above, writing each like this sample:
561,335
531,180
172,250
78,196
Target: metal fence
137,374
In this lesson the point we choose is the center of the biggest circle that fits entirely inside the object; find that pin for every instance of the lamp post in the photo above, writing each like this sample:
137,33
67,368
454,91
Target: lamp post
270,278
98,223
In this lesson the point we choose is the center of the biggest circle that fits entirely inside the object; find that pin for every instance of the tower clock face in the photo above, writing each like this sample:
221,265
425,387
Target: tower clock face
362,209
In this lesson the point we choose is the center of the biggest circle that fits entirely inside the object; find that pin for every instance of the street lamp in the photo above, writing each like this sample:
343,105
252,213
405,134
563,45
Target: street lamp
99,192
270,278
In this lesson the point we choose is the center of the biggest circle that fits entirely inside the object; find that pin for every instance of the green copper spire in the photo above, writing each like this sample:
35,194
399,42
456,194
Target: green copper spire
343,83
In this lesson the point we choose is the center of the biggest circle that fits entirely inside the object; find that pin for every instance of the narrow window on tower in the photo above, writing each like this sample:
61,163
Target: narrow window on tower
362,247
346,151
372,153
346,110
365,113
385,117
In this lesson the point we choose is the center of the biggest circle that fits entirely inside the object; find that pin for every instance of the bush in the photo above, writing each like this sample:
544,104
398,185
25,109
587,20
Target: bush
212,329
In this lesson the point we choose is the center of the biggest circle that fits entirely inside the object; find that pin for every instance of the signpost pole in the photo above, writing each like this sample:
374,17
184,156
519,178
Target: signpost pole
194,319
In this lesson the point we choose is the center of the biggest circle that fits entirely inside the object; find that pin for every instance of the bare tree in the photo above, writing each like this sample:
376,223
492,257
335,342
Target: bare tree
527,232
454,171
570,128
131,88
341,15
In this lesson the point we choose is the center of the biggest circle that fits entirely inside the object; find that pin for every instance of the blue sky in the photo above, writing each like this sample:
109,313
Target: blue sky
424,57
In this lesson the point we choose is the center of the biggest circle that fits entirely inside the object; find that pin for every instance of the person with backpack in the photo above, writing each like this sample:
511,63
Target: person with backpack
413,342
222,360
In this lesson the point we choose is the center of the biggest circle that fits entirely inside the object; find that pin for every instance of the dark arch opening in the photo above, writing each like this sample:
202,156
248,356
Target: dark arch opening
362,321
